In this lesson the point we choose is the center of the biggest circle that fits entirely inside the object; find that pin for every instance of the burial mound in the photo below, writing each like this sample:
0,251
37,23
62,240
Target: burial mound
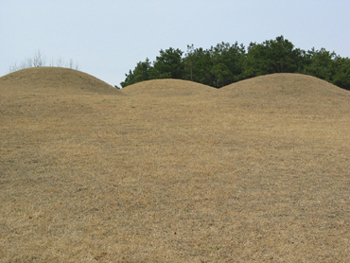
167,88
287,87
61,79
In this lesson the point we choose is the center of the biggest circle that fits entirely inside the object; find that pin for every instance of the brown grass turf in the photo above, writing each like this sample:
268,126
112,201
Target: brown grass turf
257,171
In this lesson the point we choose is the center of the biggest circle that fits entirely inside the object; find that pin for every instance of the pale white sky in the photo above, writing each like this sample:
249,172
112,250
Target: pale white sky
108,37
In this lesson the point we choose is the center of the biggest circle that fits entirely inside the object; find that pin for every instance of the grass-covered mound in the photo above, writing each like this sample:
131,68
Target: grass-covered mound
61,79
303,88
167,88
254,172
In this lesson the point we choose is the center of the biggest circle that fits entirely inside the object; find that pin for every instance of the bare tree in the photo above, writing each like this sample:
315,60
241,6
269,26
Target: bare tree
13,68
73,65
38,60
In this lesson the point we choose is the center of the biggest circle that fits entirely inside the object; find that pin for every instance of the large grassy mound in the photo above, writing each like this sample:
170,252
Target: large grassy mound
50,91
286,92
167,88
287,86
257,171
61,79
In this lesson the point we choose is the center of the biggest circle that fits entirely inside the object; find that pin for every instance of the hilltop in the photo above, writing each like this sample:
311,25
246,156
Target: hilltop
167,88
54,78
305,88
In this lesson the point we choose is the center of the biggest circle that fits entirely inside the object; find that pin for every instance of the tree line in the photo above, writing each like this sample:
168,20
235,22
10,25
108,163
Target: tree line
226,63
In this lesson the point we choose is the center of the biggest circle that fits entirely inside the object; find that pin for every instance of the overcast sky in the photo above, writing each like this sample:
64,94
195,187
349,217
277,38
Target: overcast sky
108,37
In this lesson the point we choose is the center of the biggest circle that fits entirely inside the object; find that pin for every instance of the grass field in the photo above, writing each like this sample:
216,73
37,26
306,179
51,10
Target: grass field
173,171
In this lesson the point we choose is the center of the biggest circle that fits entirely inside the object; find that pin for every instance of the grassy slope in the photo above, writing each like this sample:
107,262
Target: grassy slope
255,171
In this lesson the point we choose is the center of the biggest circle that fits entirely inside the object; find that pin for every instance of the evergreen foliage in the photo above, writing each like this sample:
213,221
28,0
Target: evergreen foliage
224,63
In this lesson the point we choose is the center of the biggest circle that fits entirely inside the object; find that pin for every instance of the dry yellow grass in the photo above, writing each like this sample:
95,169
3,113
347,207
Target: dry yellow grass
257,171
168,88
